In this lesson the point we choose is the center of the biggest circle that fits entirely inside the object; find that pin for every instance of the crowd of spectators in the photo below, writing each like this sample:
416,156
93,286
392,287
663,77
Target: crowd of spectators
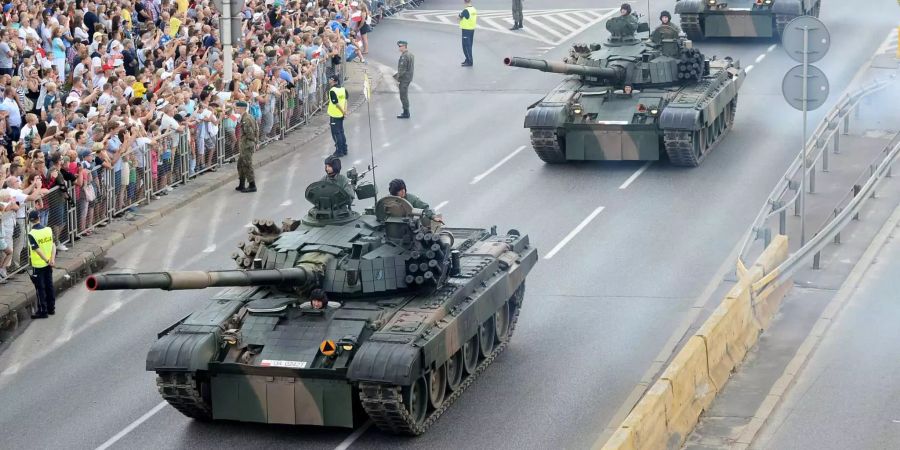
94,89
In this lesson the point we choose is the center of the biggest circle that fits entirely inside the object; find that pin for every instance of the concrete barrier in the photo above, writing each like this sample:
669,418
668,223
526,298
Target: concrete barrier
671,408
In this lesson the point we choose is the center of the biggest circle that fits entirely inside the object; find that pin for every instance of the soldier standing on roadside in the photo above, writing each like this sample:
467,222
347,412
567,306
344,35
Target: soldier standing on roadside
249,137
517,15
404,76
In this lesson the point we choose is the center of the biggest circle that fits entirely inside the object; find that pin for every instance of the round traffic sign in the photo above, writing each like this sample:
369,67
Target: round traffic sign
816,87
819,39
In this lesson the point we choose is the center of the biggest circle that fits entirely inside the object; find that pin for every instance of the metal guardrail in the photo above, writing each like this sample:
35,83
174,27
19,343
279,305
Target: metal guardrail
786,191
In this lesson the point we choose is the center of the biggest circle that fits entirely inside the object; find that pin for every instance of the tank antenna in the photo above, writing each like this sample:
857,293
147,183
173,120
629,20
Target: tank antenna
649,16
367,91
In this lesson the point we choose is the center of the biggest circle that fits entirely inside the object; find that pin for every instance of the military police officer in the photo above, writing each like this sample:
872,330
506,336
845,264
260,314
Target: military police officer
337,111
468,19
405,68
517,15
666,29
43,258
249,137
397,188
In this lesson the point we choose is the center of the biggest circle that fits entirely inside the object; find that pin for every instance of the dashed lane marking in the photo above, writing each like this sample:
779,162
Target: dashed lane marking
132,426
354,436
503,161
760,58
287,202
635,175
748,69
771,48
210,248
574,232
441,205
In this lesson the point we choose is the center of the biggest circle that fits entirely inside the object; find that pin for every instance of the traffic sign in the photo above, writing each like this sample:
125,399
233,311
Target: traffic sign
819,39
817,87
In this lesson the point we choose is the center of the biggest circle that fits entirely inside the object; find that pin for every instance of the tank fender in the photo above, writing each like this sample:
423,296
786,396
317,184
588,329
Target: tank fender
690,7
788,7
386,362
679,118
183,351
544,116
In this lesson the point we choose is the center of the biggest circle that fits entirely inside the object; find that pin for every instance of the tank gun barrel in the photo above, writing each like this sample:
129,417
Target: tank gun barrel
170,281
613,73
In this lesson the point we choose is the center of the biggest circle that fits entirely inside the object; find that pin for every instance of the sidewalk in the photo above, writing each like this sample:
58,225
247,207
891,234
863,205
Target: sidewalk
87,254
848,395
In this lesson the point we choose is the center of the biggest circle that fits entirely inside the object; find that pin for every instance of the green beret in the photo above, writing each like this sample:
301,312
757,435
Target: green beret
399,43
241,104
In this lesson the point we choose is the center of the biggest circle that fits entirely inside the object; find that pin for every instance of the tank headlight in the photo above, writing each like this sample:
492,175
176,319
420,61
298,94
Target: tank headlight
654,111
577,109
347,347
347,343
711,2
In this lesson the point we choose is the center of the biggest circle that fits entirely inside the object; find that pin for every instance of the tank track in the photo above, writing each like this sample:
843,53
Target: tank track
546,144
180,390
384,403
680,143
690,24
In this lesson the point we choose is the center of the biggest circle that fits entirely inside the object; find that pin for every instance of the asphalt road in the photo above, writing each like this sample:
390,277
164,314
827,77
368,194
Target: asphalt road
596,314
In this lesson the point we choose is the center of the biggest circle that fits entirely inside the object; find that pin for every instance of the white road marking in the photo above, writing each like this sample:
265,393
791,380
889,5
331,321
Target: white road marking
748,69
354,436
441,205
771,48
635,175
386,145
574,232
131,427
288,202
760,58
210,248
496,166
11,369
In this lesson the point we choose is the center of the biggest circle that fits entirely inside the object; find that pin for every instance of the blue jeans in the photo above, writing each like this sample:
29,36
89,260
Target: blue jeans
468,36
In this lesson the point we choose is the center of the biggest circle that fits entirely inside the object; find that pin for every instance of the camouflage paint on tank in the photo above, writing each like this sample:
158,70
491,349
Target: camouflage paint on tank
592,116
259,352
740,18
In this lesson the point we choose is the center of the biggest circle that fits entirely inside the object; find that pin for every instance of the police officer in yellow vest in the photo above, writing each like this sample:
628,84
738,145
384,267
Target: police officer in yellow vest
467,21
43,258
337,111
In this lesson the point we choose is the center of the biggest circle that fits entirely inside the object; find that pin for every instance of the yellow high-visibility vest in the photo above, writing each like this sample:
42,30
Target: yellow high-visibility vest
44,239
469,24
333,110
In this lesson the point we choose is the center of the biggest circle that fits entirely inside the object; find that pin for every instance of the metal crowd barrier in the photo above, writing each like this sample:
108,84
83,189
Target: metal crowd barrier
151,170
773,217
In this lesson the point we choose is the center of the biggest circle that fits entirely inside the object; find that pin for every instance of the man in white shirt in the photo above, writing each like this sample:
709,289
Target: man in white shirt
107,100
14,186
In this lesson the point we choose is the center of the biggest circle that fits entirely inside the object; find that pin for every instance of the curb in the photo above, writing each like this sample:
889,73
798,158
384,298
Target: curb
87,256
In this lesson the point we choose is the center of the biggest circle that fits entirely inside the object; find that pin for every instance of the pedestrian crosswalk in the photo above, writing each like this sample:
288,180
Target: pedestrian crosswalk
549,26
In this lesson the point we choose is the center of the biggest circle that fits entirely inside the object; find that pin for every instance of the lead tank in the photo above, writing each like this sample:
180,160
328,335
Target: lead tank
416,311
741,18
633,99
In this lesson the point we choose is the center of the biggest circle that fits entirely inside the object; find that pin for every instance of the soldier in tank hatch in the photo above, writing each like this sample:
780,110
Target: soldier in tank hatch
666,29
397,188
333,174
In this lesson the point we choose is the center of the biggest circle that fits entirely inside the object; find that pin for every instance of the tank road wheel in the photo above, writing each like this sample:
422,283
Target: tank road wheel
486,335
501,322
549,145
437,386
415,400
470,354
455,368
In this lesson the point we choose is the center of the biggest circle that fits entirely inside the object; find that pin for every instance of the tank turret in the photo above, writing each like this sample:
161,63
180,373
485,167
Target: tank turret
172,281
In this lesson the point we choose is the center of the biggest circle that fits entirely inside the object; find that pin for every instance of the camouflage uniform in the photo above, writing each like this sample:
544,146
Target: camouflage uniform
343,182
247,145
405,69
417,203
665,31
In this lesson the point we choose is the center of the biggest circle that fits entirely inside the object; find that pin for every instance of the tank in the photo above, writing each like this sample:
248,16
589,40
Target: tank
635,99
415,312
741,18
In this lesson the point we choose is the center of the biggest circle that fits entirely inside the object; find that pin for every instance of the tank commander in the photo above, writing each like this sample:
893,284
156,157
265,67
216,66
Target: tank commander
666,29
625,15
397,188
333,174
